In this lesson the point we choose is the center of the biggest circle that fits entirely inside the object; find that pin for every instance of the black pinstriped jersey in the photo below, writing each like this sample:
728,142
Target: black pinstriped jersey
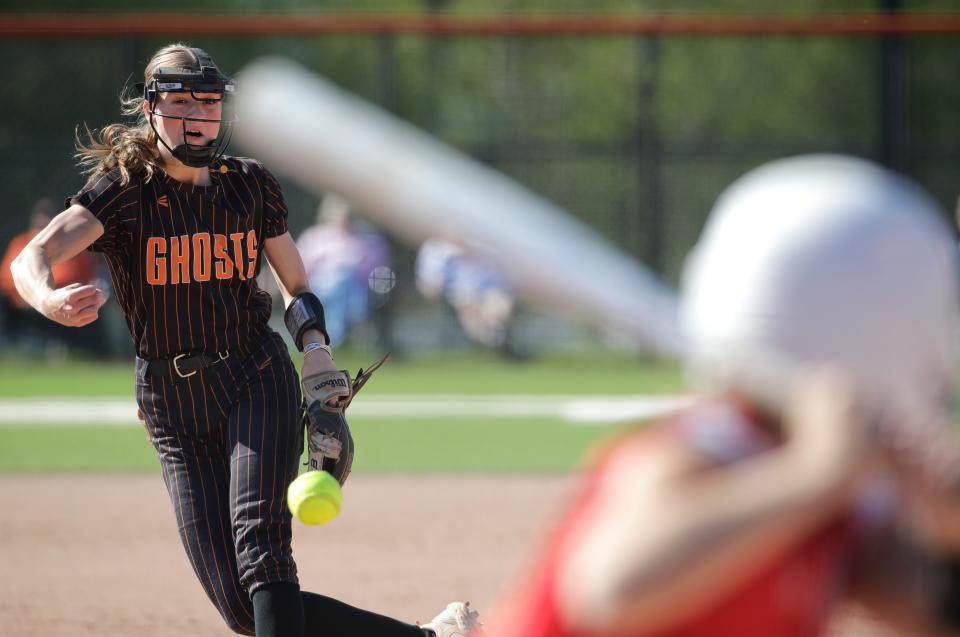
183,257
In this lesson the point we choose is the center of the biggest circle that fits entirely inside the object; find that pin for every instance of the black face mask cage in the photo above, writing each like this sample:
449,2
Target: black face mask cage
203,82
198,155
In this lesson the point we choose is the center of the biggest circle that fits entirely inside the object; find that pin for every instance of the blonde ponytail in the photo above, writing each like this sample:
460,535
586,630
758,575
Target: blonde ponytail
131,149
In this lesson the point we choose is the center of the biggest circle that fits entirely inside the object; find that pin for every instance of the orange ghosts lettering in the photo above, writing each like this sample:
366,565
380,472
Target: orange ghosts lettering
251,254
237,239
201,257
156,264
180,259
224,264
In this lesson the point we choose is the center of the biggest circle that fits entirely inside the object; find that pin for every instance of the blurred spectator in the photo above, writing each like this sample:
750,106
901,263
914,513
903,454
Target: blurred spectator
474,287
342,256
21,321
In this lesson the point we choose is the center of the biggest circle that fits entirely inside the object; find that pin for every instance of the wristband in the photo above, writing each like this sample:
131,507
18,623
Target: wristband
314,345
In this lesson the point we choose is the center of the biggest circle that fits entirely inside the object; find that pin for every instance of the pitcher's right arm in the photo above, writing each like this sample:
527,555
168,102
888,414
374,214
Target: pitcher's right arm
65,236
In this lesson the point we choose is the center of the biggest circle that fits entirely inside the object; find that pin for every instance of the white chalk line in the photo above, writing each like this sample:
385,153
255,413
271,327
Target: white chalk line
585,410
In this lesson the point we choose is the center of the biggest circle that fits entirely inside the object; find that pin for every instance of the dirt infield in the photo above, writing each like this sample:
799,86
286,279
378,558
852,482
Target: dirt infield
99,555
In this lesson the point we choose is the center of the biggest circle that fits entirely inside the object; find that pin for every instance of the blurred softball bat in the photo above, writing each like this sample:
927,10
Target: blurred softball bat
418,188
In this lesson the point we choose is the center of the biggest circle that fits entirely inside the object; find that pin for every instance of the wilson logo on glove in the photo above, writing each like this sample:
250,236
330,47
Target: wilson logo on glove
333,382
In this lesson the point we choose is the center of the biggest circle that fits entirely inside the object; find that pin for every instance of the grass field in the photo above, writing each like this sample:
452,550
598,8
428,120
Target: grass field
467,444
467,373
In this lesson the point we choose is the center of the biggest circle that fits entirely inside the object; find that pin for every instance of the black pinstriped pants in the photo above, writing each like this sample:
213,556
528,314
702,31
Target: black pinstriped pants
229,440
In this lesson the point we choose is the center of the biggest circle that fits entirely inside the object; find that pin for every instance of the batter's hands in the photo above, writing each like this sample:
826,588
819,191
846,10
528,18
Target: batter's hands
830,432
74,305
838,435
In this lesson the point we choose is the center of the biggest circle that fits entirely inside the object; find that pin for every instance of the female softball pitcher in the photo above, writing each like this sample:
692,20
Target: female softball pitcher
183,228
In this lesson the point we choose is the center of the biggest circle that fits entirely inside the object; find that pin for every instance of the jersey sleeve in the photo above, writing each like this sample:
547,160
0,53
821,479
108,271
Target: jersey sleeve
274,207
104,197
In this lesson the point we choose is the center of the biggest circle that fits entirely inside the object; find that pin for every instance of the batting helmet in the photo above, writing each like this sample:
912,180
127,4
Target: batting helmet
825,260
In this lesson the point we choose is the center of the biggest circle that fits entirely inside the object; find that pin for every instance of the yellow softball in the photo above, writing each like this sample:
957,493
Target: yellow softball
314,497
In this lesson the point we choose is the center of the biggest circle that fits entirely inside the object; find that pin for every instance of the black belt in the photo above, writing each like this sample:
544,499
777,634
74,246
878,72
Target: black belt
185,365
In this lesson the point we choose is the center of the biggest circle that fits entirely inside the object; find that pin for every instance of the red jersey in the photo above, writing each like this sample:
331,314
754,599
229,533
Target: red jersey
792,596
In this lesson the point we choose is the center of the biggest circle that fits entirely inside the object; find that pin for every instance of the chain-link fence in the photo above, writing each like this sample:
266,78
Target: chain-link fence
634,134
